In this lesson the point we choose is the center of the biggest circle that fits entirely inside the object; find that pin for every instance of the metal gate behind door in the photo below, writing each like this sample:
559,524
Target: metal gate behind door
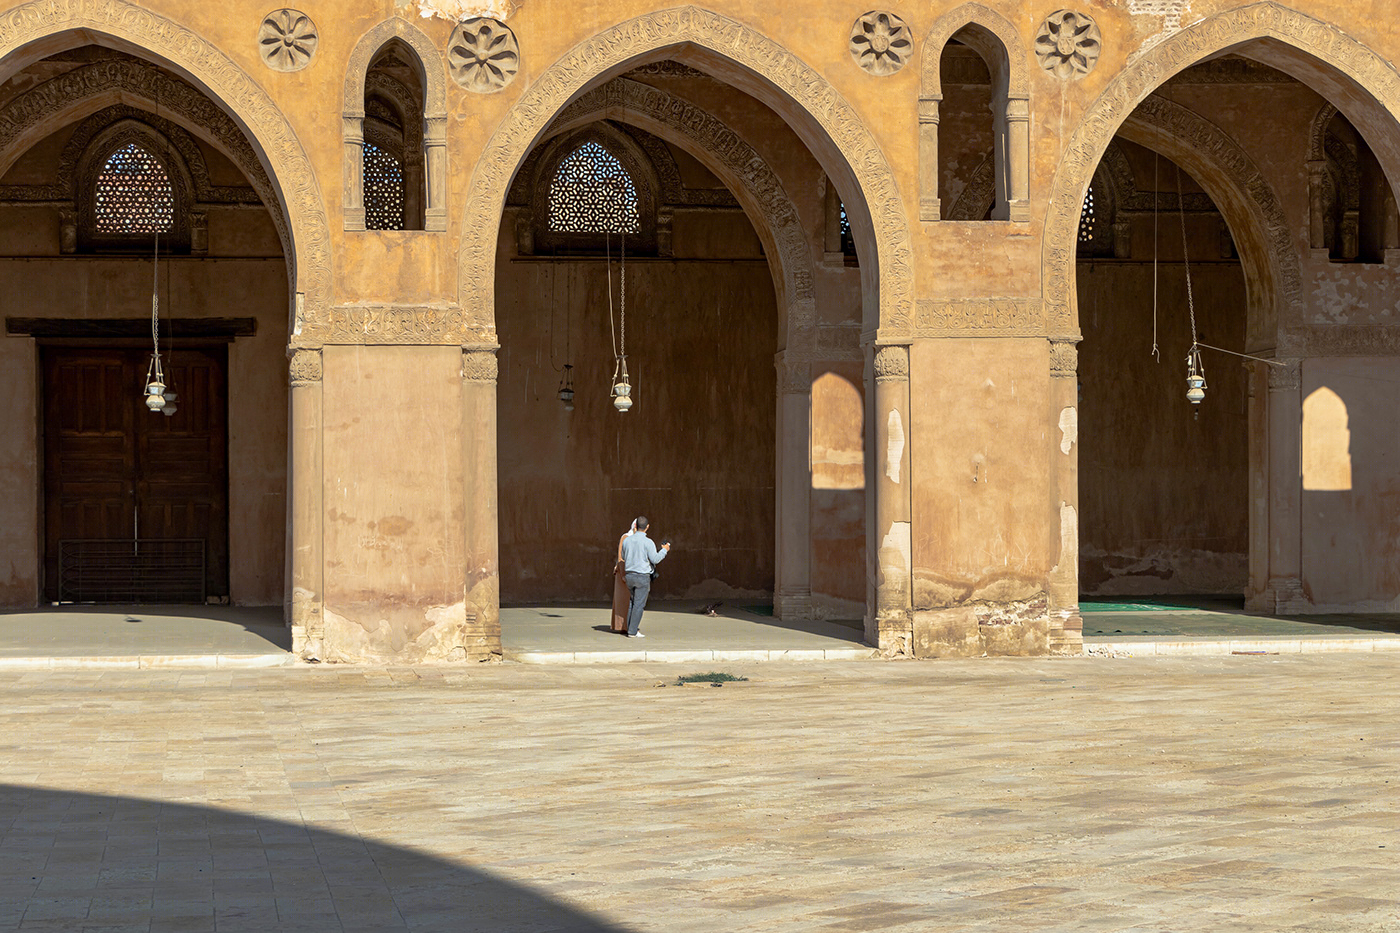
114,571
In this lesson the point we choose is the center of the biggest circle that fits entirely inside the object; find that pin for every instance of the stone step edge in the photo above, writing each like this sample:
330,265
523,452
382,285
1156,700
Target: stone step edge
677,656
148,662
1129,649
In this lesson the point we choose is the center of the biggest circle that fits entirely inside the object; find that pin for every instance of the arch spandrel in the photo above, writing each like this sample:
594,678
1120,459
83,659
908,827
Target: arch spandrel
1336,51
130,27
761,62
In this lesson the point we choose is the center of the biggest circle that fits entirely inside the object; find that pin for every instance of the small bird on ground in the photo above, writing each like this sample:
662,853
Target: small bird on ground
711,609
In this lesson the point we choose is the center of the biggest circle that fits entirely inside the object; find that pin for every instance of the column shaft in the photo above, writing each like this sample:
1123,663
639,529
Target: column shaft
890,627
482,552
793,541
1066,624
306,550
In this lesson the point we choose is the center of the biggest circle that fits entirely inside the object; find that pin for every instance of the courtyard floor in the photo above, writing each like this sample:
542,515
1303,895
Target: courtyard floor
1228,793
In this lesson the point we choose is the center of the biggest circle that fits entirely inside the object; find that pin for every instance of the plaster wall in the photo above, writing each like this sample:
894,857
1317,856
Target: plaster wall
395,524
1351,529
695,454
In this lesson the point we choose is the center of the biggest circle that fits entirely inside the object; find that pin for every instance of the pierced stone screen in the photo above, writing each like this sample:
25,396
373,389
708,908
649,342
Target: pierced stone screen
592,193
133,194
383,190
1087,220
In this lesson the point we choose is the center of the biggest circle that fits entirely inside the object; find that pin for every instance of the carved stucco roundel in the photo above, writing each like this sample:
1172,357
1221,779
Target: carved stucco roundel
881,43
483,55
287,40
1068,44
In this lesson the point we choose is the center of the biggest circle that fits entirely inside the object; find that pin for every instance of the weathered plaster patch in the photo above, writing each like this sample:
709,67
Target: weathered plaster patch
1171,11
895,551
894,452
1069,429
455,11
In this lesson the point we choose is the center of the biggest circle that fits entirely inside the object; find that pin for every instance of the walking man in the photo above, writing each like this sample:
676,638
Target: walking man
639,557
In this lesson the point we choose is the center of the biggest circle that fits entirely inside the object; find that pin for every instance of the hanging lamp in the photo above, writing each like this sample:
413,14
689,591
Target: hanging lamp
622,384
1195,370
155,374
566,387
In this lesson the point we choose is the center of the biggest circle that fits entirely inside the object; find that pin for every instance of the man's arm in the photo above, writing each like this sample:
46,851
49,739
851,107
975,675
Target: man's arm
658,554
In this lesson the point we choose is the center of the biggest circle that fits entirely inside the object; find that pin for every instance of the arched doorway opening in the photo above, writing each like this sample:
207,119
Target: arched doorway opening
107,501
1306,314
633,164
798,98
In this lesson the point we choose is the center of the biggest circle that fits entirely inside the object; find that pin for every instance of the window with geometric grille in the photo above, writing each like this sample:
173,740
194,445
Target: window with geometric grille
133,195
384,191
592,193
848,242
1088,225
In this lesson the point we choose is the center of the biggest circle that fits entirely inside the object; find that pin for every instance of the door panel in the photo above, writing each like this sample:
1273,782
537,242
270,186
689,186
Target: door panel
117,473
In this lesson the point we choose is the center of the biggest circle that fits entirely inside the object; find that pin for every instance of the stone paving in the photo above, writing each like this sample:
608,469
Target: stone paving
1087,794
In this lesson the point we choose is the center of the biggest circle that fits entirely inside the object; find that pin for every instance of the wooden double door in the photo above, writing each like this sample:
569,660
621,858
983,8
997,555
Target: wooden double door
135,502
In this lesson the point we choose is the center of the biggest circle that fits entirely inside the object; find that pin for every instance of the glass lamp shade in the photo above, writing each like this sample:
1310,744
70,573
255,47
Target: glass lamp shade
622,396
155,395
1195,389
170,407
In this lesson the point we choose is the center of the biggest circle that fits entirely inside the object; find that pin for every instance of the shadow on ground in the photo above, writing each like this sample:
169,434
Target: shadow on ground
74,862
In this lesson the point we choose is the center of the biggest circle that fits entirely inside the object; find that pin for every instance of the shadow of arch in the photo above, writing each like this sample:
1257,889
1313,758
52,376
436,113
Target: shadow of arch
124,861
753,63
1324,57
41,28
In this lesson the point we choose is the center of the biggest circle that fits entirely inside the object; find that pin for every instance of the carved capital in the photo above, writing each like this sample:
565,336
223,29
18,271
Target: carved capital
892,363
479,364
928,109
794,377
305,367
1285,377
1064,358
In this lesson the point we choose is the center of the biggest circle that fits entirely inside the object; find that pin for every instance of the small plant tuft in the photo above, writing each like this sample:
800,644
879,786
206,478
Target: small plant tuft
713,677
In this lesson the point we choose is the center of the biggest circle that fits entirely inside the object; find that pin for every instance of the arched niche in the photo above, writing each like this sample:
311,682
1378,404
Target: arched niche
996,40
428,60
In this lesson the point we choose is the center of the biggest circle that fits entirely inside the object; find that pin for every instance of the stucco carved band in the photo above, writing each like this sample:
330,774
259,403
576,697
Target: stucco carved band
892,364
1068,44
483,55
881,43
287,40
305,367
479,364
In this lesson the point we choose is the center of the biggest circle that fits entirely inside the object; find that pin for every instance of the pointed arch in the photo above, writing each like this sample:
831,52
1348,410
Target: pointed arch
996,40
137,30
433,71
1330,61
827,124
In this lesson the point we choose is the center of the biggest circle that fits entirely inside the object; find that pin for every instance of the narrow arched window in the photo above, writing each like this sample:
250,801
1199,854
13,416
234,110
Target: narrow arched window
384,190
848,242
591,192
133,195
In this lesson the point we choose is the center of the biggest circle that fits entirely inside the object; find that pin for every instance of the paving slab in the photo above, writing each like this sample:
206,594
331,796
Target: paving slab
1243,792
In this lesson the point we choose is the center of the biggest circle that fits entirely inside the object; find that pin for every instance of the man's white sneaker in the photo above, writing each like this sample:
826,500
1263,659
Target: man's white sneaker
638,635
